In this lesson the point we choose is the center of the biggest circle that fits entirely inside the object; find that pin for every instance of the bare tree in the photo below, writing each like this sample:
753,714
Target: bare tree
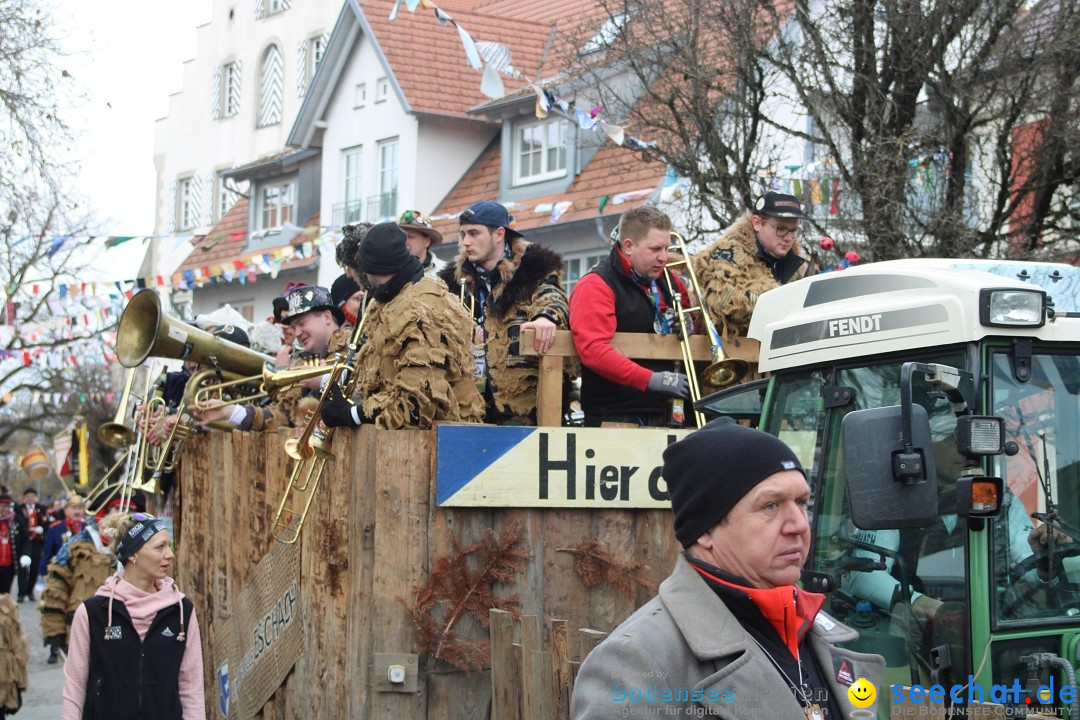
949,127
36,273
34,90
688,78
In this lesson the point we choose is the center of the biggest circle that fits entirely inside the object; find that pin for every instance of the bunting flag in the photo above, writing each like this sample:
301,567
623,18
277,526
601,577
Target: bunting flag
494,58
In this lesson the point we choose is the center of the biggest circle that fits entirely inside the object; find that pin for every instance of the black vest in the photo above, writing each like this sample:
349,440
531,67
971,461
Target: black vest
129,677
600,398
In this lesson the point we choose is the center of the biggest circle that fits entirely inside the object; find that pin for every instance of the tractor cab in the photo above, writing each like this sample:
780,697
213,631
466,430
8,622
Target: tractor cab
936,406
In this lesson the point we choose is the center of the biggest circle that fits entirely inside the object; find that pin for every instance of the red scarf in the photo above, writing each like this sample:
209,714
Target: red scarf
6,559
790,610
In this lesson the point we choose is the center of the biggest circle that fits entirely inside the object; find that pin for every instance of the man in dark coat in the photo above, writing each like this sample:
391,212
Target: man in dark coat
37,520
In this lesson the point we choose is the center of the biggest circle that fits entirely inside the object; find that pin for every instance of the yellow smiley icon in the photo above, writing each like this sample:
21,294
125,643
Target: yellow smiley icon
862,693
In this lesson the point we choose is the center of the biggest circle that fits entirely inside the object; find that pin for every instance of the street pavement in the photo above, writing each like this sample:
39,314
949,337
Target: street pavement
42,698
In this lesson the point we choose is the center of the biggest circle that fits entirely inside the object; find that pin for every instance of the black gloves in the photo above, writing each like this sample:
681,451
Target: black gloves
337,411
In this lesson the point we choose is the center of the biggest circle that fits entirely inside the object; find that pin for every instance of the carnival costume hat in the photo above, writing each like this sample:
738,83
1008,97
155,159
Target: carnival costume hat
309,298
418,221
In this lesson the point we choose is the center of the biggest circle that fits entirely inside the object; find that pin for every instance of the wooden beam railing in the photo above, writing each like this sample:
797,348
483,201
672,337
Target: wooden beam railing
636,346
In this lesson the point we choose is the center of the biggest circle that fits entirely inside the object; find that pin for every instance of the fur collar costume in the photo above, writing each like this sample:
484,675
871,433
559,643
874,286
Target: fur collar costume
414,366
528,286
732,277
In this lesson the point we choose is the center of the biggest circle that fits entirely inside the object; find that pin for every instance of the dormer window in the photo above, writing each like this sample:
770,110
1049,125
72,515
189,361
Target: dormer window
540,151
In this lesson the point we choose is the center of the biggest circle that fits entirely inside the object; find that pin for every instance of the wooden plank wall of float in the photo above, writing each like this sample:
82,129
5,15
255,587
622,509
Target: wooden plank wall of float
371,537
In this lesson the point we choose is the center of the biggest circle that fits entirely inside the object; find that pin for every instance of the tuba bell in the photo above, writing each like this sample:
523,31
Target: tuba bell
146,331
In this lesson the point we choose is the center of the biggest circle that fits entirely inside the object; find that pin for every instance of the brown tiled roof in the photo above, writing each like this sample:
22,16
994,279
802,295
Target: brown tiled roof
226,242
481,181
428,59
611,171
545,10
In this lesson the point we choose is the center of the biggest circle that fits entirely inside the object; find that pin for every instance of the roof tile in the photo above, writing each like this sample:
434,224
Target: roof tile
428,59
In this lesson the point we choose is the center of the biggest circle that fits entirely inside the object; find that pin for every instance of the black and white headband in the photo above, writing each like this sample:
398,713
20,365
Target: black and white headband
137,536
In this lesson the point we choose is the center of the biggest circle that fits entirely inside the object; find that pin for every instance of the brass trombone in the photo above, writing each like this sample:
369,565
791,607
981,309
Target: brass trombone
132,462
722,371
311,449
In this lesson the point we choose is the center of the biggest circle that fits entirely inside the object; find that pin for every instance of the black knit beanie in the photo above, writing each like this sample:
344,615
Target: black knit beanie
711,469
383,250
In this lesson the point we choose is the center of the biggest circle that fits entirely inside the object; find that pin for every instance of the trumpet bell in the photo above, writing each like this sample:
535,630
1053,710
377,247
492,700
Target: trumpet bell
116,435
298,452
725,372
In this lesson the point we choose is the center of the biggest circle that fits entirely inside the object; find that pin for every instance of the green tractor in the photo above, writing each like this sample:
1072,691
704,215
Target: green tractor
936,404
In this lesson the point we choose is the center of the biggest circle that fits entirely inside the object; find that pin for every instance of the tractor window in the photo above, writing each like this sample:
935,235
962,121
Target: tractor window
1036,570
903,589
795,417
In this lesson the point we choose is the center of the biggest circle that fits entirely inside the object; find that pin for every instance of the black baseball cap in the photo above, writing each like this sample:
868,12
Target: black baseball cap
780,205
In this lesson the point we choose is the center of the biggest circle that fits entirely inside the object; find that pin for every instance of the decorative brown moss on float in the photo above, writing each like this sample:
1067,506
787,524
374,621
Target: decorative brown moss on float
455,589
595,564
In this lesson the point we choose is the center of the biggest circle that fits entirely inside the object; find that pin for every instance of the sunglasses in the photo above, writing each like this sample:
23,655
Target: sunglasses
467,215
141,517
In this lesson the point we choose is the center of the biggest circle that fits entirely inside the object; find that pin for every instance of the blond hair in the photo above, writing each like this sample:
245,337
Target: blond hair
114,526
636,224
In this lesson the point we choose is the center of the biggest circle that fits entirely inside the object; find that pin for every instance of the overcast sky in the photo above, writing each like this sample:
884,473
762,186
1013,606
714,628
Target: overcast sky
127,56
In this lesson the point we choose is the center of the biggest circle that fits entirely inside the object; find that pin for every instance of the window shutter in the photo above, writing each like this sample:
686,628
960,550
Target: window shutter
259,9
196,201
170,204
208,198
301,67
215,99
234,88
271,87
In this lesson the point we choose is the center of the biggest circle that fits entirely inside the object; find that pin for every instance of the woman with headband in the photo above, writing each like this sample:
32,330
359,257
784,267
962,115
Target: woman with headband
134,649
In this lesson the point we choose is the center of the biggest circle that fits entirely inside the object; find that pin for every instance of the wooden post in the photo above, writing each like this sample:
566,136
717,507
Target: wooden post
539,688
560,668
531,645
505,702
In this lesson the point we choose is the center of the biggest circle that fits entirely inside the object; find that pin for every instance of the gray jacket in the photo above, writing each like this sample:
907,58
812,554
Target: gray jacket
685,643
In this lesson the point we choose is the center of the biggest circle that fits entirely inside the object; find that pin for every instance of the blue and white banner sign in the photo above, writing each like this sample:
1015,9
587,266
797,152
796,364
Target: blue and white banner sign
488,466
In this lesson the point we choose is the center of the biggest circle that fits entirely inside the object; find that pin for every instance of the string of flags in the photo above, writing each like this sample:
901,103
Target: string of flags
493,58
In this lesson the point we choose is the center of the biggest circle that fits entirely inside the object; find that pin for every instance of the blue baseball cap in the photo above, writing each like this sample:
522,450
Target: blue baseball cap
490,213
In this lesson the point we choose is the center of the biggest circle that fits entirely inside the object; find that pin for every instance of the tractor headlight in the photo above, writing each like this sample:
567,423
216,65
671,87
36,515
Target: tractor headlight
1012,307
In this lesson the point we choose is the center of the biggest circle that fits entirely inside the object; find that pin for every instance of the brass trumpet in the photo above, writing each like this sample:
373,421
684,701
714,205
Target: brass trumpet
163,458
722,371
204,396
116,433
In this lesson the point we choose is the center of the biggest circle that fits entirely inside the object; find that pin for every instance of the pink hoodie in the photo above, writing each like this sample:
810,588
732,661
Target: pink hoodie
142,607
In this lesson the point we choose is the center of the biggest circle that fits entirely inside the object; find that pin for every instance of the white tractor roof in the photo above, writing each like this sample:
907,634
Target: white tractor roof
900,305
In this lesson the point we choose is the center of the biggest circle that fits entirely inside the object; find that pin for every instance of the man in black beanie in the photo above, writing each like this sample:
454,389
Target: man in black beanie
730,631
413,364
